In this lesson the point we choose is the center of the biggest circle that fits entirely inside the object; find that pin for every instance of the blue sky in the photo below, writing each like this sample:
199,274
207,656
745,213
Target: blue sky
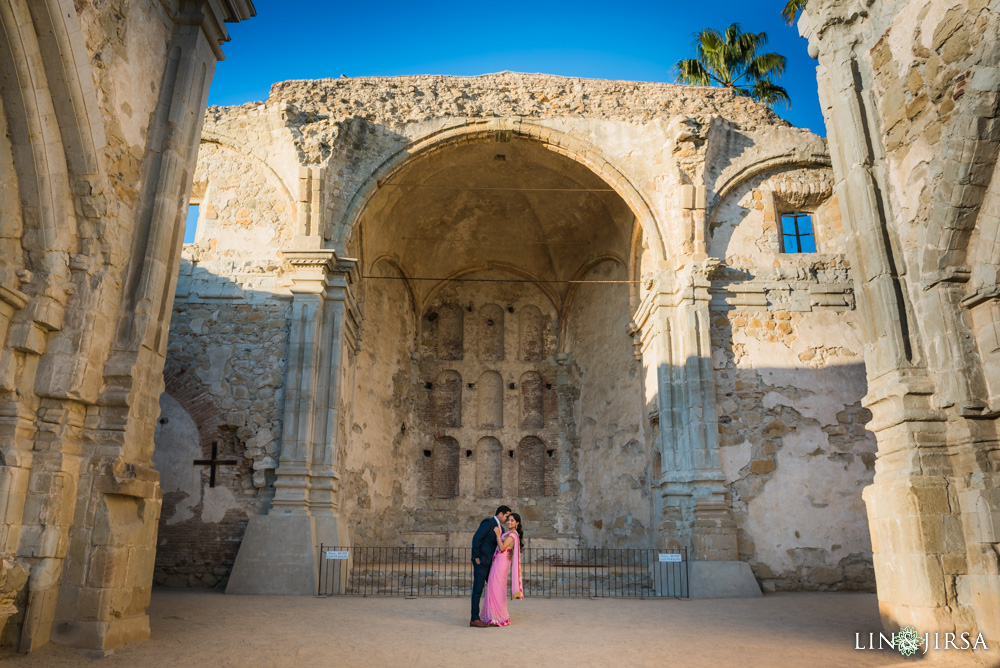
298,39
301,39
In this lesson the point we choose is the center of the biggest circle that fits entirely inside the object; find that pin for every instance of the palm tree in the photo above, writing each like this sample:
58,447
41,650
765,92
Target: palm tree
792,9
731,60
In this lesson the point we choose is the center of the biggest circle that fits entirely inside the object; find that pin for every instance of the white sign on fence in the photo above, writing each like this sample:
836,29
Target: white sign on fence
669,557
337,554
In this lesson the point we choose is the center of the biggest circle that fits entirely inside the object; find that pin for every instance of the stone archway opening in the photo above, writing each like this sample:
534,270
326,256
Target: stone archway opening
496,293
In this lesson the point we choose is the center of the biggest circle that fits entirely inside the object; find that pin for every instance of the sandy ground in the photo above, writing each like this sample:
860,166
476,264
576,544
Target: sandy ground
206,628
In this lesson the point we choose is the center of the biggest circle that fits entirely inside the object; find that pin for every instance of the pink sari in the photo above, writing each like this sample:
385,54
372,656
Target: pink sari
495,598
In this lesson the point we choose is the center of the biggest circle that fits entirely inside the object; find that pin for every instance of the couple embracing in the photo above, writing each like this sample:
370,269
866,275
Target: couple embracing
496,552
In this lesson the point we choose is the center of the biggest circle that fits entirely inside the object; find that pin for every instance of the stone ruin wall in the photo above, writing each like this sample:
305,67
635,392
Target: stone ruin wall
614,446
790,376
88,259
226,370
768,311
910,91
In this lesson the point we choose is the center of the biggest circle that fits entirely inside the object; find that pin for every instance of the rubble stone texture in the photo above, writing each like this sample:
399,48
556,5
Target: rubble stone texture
412,298
544,290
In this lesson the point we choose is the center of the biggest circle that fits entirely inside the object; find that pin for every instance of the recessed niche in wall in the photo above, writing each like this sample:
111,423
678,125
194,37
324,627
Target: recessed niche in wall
444,468
531,467
530,333
491,333
450,332
489,461
446,400
532,410
490,400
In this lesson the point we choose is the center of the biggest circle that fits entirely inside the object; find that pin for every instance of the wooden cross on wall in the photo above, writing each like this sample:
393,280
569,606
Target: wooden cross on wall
213,462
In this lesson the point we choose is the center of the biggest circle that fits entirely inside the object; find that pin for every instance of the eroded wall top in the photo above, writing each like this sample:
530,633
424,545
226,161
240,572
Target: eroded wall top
400,100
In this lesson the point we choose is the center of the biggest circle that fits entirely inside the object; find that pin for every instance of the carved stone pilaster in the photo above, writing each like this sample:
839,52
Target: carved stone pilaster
324,326
692,505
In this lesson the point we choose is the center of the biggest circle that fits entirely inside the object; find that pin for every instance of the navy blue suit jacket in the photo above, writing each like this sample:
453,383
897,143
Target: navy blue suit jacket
484,542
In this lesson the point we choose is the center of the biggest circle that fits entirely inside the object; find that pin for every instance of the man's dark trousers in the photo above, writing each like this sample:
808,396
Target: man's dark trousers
484,544
480,572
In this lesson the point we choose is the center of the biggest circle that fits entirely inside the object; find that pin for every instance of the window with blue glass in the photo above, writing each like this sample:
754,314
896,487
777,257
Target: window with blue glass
797,233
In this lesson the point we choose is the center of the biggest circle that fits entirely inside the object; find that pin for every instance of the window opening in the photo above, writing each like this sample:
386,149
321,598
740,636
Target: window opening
797,233
191,224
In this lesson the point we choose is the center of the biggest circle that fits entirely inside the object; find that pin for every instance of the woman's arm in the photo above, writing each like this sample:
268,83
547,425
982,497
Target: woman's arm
505,545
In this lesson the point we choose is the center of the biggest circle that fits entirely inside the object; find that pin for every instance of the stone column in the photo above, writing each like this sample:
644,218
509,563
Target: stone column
932,504
279,550
692,505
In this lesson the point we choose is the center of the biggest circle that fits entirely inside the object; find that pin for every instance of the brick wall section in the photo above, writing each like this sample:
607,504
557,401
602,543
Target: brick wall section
197,401
449,322
491,333
444,460
490,393
531,334
532,400
194,553
531,467
226,369
489,463
445,409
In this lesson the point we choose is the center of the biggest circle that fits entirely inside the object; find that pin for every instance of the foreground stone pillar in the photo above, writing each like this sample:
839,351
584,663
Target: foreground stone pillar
692,504
279,550
94,191
917,235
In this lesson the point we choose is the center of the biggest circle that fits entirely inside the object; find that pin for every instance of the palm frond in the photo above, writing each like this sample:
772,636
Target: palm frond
791,10
692,72
770,94
746,46
730,59
766,67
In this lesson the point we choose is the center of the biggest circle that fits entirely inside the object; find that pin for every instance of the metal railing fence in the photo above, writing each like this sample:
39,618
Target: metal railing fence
546,572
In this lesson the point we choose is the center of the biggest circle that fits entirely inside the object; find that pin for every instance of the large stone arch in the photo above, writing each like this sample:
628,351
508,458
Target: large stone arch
211,136
51,292
503,129
916,193
237,185
735,180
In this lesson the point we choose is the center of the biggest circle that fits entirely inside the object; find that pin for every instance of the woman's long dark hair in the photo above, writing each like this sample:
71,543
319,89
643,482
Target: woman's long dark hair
520,532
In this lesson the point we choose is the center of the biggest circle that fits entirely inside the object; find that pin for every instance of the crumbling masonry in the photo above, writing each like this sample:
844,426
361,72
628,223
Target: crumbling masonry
412,298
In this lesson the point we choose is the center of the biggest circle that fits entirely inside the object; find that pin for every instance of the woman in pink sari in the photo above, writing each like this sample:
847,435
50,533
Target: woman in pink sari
506,560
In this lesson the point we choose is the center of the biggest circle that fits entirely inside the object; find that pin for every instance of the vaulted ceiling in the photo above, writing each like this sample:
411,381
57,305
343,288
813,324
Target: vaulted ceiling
515,204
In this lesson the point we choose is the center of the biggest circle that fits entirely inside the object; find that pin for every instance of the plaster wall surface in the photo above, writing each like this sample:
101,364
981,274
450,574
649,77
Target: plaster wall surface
468,207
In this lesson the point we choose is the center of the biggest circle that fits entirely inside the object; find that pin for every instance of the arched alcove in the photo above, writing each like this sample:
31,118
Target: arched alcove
530,334
532,400
490,400
491,333
531,467
489,468
450,324
446,400
444,468
491,237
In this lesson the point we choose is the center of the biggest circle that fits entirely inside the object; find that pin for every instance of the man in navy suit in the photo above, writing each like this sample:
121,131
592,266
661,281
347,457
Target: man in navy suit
484,544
